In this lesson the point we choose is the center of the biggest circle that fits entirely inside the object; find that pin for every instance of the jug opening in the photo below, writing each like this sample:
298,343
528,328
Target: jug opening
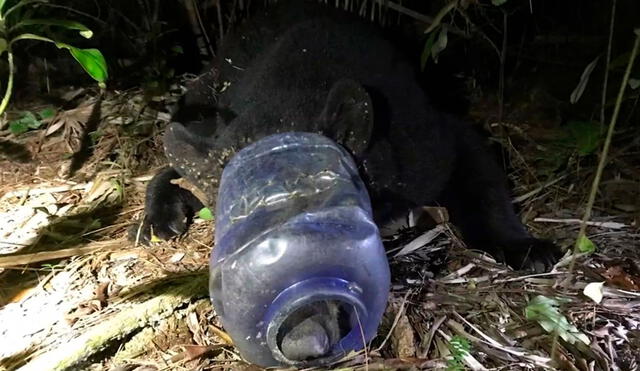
313,330
316,321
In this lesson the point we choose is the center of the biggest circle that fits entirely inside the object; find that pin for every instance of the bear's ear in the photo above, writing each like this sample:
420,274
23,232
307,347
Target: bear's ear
347,116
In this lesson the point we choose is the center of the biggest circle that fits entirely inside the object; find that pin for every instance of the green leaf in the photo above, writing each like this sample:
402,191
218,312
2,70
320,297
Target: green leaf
17,127
27,121
31,120
92,61
95,224
440,44
83,30
498,2
545,311
584,79
586,135
47,113
177,49
620,61
3,45
205,214
459,348
426,51
94,136
633,83
155,238
585,245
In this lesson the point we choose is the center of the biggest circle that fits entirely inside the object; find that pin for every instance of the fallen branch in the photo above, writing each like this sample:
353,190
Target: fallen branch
19,193
46,190
162,304
22,259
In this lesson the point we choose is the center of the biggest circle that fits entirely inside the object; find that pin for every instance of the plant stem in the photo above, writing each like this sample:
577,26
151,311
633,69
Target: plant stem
608,61
605,148
7,93
18,6
194,6
598,175
438,18
220,24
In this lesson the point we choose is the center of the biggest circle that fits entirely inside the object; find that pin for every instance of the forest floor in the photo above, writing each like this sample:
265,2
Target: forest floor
76,294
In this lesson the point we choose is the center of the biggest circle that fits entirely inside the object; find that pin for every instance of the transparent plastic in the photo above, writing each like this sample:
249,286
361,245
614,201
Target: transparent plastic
293,228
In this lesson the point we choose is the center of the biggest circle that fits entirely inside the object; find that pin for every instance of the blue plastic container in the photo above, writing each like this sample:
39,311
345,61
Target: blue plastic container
294,228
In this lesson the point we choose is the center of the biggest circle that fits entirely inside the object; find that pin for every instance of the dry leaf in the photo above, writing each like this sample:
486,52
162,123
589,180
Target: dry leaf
616,276
594,290
76,117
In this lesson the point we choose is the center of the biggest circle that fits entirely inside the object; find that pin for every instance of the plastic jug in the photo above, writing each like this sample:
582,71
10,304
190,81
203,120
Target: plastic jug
295,244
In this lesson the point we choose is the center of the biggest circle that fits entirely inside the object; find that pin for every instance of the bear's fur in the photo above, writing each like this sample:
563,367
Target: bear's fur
310,68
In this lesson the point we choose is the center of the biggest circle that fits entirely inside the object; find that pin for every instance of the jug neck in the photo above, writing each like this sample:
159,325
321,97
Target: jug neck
308,292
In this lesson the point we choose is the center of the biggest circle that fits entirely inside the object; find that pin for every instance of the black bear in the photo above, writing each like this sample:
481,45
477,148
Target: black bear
305,67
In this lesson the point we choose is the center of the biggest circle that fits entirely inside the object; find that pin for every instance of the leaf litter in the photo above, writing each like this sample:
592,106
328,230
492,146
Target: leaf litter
104,303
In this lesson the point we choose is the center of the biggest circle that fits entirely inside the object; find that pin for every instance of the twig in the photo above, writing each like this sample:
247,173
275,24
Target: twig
408,12
438,18
364,342
477,30
610,225
462,280
608,61
426,343
196,11
395,320
72,10
526,278
534,192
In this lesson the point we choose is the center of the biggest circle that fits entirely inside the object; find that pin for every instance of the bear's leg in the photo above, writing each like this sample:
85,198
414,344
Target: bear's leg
480,205
168,209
